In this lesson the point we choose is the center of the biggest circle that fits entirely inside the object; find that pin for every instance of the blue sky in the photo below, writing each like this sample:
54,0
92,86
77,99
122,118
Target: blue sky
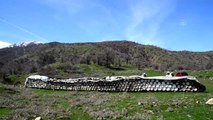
170,24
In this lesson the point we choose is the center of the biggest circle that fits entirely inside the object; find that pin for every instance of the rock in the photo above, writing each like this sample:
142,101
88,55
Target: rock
38,118
124,112
210,101
169,109
150,112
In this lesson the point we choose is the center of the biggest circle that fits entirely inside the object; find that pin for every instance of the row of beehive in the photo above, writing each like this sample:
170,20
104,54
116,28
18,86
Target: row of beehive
120,85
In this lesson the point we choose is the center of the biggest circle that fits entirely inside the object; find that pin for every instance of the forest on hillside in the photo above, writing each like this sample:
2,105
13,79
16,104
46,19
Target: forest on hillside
51,58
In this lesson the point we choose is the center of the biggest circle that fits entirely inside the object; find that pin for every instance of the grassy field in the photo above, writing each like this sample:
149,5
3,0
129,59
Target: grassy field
17,102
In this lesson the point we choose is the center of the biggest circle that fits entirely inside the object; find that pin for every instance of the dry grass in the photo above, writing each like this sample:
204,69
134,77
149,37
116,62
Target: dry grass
27,104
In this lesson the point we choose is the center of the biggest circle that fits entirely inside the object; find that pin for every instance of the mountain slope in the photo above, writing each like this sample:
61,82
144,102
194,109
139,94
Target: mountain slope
53,57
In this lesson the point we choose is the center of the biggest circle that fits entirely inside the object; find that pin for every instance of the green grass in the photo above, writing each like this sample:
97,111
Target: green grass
101,71
1,89
151,72
201,74
5,112
93,70
16,79
78,114
189,105
87,105
48,92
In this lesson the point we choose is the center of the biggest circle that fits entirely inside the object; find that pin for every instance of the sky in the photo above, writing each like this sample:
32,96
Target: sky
171,24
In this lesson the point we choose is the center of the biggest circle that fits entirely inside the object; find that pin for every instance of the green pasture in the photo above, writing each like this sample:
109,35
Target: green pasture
27,103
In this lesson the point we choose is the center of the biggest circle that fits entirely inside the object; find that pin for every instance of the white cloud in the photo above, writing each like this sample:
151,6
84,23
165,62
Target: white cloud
91,17
183,22
140,21
147,17
4,44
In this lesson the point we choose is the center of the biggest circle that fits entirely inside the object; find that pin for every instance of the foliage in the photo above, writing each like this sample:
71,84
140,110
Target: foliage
112,54
15,79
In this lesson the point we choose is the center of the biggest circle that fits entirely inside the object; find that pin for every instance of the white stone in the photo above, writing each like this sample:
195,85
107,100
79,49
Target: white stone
38,118
210,101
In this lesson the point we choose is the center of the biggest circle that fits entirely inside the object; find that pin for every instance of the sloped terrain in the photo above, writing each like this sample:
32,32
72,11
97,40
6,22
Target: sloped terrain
101,59
65,60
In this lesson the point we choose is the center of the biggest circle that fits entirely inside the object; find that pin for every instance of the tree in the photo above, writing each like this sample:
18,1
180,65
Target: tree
45,59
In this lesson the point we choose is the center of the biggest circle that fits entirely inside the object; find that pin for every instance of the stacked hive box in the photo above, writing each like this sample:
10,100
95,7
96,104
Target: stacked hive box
136,84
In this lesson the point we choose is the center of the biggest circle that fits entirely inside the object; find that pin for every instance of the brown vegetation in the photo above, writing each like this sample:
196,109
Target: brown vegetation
41,58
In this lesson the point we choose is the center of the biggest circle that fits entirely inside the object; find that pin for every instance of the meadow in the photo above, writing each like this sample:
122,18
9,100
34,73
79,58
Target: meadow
18,102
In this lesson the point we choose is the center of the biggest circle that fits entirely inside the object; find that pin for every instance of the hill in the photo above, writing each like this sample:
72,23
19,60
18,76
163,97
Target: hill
67,59
99,59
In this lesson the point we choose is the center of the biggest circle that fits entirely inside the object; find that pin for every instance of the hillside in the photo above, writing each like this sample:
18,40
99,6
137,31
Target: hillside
67,59
100,59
